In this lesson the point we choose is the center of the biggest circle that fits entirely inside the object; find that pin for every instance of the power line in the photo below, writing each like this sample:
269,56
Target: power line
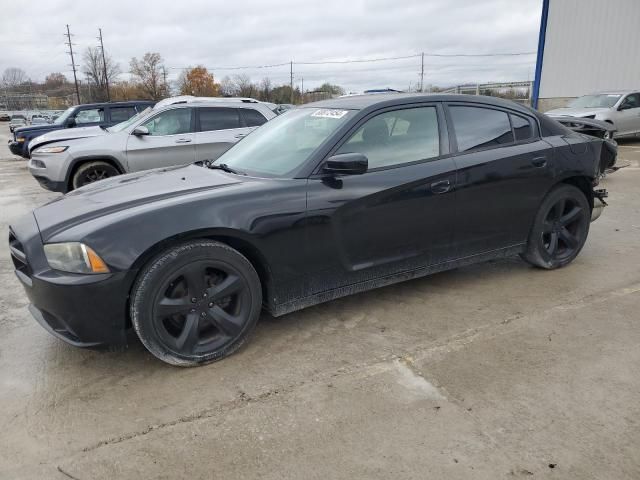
367,60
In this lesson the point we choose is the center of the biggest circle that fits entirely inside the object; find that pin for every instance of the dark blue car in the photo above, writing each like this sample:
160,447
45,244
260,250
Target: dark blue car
88,115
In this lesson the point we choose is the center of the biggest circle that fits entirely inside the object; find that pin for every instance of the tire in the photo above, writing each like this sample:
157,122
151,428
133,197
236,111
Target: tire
196,303
92,172
560,228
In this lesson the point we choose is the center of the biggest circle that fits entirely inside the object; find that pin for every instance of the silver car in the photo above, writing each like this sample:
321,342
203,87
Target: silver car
621,109
175,131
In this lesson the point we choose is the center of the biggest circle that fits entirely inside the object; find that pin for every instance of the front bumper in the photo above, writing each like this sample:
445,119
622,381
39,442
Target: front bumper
49,170
83,310
17,148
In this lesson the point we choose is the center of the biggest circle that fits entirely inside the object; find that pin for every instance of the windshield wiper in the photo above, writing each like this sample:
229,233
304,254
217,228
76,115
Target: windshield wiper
221,166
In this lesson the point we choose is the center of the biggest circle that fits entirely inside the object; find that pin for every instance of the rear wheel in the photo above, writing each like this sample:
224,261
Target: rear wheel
560,228
196,303
92,172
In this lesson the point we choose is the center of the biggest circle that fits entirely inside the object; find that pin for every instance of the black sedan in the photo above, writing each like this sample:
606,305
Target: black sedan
327,200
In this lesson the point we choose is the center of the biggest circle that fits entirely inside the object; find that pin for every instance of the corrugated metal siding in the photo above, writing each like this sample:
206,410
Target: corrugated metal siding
591,45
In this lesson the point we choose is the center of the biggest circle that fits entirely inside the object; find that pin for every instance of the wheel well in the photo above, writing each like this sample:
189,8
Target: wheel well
251,253
81,162
584,184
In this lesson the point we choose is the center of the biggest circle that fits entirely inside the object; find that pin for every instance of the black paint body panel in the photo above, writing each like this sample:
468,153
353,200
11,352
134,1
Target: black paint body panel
313,237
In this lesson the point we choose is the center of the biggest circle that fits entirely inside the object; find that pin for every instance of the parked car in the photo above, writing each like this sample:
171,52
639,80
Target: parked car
175,132
17,120
39,121
5,117
621,109
329,199
92,114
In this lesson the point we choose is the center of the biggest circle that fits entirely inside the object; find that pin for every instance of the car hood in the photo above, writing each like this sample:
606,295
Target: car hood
574,112
67,134
127,191
33,128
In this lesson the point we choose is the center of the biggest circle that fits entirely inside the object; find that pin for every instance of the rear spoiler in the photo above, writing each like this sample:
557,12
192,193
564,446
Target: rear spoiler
588,126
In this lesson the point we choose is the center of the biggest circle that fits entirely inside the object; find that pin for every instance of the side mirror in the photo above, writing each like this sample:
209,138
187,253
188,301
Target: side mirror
71,122
346,164
140,131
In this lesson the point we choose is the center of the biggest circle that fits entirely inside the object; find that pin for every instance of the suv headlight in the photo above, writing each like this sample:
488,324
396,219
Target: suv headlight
20,139
51,149
74,257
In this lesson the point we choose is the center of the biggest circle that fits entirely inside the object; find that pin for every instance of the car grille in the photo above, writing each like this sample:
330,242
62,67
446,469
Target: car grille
18,256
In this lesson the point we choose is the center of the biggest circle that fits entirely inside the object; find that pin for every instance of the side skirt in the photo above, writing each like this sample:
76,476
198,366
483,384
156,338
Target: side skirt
284,308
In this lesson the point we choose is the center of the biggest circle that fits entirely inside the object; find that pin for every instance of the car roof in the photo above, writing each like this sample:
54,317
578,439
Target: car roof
614,92
115,104
360,102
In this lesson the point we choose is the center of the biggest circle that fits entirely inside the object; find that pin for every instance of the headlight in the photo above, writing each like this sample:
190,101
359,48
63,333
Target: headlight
74,257
20,139
51,149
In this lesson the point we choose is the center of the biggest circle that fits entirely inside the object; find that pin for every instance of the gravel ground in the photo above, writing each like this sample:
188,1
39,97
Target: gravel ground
488,372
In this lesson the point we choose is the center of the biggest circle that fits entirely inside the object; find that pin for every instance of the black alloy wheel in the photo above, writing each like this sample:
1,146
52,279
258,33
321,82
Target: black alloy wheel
92,172
196,303
560,228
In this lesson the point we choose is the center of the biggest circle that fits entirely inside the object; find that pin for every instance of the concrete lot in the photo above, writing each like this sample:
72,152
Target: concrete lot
488,372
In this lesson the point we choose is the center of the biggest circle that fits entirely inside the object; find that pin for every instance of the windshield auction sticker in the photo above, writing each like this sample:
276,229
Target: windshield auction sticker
327,113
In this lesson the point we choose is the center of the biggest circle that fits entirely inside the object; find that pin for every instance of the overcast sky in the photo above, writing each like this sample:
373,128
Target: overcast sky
228,33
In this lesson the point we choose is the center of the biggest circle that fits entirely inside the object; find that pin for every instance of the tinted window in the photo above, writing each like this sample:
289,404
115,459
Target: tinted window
632,101
93,115
120,114
396,137
171,122
218,119
252,118
480,127
521,127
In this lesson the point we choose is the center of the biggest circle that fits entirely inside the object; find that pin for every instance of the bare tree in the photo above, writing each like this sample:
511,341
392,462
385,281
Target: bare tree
265,89
93,68
228,87
14,77
244,86
149,73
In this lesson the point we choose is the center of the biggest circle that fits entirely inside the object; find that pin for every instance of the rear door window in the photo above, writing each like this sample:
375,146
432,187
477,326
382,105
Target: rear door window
218,118
478,127
521,127
252,118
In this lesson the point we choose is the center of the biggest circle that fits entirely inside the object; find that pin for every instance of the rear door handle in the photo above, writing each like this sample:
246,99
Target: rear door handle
241,135
183,140
443,186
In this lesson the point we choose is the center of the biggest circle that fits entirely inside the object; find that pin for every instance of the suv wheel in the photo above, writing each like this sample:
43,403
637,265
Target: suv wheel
92,172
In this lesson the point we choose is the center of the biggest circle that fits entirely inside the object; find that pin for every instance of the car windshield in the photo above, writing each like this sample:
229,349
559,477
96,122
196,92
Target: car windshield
63,117
595,101
282,145
118,127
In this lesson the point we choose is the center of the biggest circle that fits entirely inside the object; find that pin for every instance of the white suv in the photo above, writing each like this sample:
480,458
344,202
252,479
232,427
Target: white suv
175,131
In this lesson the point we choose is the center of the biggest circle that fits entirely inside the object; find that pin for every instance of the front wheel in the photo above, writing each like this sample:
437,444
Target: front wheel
196,303
92,172
560,228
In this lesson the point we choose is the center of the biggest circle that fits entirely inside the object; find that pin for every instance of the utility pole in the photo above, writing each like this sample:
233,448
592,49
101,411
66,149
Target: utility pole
302,88
73,63
291,83
422,73
104,63
164,77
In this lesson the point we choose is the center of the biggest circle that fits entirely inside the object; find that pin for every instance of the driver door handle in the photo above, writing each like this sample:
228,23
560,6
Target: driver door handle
241,135
183,140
